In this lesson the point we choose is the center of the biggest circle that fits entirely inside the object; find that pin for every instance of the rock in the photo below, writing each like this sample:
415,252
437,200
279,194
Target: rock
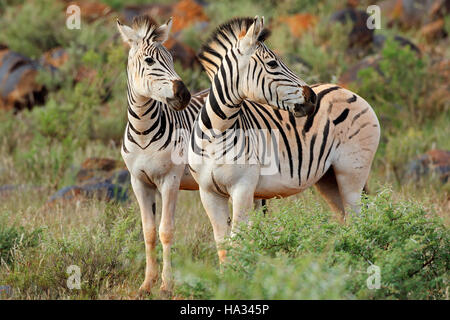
434,162
379,41
98,169
360,35
18,86
186,13
182,53
98,178
55,57
434,30
101,191
415,13
91,10
298,23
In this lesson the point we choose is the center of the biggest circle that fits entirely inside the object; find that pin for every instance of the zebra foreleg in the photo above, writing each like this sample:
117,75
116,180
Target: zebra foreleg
145,196
169,194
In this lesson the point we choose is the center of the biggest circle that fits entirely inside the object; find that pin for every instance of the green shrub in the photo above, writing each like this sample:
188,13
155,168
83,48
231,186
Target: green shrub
400,90
14,238
34,27
305,254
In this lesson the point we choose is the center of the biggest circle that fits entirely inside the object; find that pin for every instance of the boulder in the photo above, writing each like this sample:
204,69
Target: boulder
298,23
433,163
425,14
18,86
91,10
55,57
185,13
360,35
98,178
182,53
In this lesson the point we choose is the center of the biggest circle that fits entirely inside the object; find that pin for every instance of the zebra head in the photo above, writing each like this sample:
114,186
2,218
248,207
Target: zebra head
237,50
150,67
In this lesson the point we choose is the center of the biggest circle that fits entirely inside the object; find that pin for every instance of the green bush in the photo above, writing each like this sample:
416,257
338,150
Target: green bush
34,27
14,238
306,254
400,91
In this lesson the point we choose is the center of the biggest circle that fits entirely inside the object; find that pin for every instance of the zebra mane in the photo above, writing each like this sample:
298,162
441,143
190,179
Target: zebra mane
222,39
146,28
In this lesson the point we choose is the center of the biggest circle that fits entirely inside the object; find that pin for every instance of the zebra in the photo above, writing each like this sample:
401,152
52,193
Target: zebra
155,142
322,135
161,114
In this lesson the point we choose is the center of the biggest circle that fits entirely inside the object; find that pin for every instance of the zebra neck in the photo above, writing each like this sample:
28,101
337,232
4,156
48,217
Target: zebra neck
222,106
143,115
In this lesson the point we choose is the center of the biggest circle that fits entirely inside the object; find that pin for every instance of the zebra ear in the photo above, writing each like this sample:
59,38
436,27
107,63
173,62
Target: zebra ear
162,33
249,40
128,34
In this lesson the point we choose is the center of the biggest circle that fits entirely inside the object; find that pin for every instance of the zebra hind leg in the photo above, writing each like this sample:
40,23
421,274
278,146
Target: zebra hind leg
145,196
328,188
351,179
216,207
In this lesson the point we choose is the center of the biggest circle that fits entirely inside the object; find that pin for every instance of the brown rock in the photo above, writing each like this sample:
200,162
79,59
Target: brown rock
55,57
18,86
298,23
359,35
434,30
414,13
186,13
182,53
434,162
97,167
91,10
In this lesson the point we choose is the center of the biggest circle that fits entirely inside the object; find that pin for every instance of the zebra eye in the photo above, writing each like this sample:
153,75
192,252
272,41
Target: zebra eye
149,61
272,64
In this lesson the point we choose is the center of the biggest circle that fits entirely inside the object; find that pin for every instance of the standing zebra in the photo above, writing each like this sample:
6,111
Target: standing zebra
154,132
331,148
155,144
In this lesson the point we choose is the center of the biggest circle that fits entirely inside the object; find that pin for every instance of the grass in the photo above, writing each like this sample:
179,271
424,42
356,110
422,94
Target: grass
298,251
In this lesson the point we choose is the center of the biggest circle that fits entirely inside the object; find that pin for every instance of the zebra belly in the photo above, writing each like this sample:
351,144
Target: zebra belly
282,185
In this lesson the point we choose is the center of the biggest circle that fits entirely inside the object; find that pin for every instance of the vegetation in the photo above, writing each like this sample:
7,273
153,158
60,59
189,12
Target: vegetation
298,251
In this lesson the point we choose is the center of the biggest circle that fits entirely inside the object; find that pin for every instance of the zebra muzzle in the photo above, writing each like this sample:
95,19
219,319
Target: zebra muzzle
308,107
182,96
303,110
